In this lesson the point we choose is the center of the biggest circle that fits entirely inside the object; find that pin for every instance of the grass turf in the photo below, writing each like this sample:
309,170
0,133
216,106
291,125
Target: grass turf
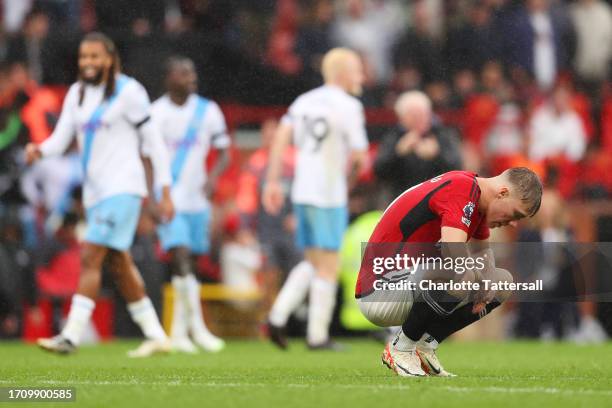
254,374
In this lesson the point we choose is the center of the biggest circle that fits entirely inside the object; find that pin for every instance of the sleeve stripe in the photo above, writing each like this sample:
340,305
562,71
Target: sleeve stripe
142,122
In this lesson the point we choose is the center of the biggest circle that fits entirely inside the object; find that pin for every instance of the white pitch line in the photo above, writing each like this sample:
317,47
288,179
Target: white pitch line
457,389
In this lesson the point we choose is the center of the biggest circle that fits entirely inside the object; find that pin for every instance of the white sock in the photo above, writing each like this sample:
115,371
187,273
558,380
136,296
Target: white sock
80,312
195,316
428,342
292,293
143,314
403,343
180,315
321,306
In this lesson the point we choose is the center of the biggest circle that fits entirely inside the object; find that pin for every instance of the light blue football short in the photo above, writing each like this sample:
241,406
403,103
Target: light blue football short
112,222
318,227
187,229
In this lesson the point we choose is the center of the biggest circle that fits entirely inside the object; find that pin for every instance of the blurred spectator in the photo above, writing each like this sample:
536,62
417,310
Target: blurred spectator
314,39
14,14
475,42
419,148
13,135
505,140
48,186
535,39
16,275
593,24
481,108
282,39
464,86
27,47
240,257
417,48
113,15
545,239
556,129
274,232
370,28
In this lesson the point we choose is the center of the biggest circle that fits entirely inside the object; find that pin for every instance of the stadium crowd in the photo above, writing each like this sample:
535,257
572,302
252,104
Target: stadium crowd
504,82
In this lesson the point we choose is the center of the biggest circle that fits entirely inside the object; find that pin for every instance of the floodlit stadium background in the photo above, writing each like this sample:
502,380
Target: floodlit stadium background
475,59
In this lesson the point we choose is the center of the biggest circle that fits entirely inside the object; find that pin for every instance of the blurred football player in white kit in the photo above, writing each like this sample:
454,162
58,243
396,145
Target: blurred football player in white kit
110,114
190,126
327,126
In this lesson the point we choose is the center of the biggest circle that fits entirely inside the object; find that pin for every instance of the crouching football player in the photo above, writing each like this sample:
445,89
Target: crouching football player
451,209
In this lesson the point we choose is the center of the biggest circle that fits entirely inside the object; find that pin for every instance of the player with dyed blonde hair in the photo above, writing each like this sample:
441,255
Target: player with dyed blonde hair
327,127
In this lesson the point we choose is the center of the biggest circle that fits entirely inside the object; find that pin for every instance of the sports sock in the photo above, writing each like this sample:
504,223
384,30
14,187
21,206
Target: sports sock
143,314
459,319
292,293
180,315
320,308
195,316
81,309
402,342
430,306
428,342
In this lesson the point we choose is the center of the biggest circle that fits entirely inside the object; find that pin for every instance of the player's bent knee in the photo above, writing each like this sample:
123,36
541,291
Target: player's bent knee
384,314
502,275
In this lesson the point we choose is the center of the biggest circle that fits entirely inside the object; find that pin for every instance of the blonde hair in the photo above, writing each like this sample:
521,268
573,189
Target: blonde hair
528,186
335,61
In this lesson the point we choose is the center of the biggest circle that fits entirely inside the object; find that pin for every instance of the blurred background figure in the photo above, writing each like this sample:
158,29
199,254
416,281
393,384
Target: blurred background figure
592,20
556,129
418,149
240,260
275,232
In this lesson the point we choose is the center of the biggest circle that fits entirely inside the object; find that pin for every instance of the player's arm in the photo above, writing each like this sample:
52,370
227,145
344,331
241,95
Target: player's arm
453,245
357,162
62,135
221,143
358,142
273,196
221,164
481,249
156,159
153,147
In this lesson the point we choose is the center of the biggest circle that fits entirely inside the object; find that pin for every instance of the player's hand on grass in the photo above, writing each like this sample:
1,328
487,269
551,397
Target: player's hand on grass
32,153
273,197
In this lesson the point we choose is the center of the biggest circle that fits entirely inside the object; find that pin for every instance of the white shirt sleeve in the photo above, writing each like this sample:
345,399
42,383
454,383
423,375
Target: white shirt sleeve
215,128
153,146
355,128
139,104
291,116
65,129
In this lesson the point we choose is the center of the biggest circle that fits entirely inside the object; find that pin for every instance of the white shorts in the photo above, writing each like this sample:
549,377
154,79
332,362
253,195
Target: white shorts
384,309
387,308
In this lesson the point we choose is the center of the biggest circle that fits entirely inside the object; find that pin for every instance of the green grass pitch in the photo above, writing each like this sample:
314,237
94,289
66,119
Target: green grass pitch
254,374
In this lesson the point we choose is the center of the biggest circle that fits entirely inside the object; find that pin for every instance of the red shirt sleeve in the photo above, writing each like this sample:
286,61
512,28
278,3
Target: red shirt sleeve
482,231
454,205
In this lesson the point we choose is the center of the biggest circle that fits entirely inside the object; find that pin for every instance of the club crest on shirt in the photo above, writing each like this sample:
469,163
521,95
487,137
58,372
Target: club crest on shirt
468,210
